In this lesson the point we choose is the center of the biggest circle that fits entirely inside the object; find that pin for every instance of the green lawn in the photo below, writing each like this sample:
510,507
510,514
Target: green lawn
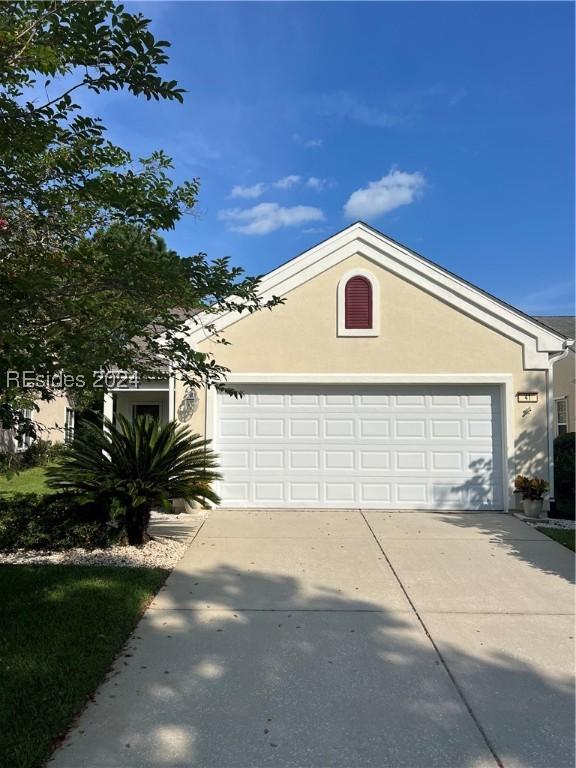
564,537
27,481
60,628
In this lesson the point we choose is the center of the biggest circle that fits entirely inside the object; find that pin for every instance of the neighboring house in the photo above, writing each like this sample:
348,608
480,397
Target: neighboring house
564,375
383,381
54,421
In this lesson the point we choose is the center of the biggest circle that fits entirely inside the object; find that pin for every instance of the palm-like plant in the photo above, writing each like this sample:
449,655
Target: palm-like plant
134,466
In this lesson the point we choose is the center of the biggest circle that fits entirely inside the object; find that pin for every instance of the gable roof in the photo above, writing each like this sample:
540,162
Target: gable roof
538,340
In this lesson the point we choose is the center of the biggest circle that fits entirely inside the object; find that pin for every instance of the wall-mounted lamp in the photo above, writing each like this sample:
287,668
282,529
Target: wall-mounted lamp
188,404
191,397
527,397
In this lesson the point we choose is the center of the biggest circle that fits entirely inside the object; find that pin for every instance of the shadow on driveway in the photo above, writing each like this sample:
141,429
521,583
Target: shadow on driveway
352,686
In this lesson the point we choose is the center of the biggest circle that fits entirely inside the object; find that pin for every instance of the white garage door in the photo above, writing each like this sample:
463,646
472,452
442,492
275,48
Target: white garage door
395,447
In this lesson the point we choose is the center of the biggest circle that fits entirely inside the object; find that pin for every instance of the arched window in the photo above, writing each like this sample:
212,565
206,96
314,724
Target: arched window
358,303
358,308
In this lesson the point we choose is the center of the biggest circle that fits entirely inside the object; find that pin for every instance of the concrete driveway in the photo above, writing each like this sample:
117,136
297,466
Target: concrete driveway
312,639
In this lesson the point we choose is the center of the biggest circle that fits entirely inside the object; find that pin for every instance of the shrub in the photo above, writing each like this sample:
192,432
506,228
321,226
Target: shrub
30,521
39,453
564,472
42,452
136,466
10,462
36,454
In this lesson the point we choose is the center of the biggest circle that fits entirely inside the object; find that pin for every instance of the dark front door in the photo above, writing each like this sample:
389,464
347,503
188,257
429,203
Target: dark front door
146,409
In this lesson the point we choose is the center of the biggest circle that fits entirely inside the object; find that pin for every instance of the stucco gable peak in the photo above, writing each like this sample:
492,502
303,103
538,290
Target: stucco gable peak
360,238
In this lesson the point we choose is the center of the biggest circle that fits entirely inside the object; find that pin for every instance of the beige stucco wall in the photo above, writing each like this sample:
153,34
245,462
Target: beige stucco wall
565,385
51,419
419,335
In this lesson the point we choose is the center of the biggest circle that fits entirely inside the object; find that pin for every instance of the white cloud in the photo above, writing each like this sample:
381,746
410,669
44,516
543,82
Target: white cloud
247,192
318,184
268,217
391,191
288,182
308,143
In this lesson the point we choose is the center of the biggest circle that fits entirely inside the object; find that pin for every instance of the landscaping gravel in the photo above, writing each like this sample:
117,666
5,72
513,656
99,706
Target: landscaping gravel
567,525
546,522
162,551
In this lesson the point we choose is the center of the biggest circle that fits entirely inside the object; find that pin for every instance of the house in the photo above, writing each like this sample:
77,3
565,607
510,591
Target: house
564,375
383,381
54,421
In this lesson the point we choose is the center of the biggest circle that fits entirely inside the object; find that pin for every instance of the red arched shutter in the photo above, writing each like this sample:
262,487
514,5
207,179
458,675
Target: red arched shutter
358,301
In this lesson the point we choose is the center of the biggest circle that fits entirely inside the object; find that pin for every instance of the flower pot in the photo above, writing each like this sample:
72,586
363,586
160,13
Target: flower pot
532,507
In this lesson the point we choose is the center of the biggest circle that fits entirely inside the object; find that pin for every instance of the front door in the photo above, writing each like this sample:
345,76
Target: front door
146,409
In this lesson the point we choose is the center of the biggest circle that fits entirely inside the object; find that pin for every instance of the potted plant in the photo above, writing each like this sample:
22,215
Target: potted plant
532,490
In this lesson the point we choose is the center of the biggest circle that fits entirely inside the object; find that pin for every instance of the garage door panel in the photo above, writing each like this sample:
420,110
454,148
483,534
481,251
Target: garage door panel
371,400
446,429
304,493
267,492
338,460
332,401
338,428
374,492
410,493
308,401
339,493
304,460
445,401
307,428
234,492
374,428
266,427
268,459
234,427
371,460
410,401
410,460
443,460
414,429
231,460
375,447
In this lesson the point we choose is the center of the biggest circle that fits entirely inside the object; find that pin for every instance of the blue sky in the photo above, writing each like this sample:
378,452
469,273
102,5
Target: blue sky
448,126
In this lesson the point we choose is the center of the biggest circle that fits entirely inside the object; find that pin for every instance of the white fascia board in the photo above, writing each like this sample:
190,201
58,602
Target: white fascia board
537,341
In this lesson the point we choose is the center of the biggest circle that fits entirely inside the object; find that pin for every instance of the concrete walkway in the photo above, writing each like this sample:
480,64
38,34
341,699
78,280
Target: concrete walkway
312,639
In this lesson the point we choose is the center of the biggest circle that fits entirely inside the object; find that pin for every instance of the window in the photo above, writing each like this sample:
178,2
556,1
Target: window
358,310
561,405
24,441
69,426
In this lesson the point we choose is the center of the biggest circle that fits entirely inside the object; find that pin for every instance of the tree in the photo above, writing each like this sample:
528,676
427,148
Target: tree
131,469
82,269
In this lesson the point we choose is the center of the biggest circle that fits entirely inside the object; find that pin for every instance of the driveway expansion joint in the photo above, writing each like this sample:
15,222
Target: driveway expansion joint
441,658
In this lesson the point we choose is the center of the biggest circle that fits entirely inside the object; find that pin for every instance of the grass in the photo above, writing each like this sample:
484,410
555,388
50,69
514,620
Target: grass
564,537
60,629
27,481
